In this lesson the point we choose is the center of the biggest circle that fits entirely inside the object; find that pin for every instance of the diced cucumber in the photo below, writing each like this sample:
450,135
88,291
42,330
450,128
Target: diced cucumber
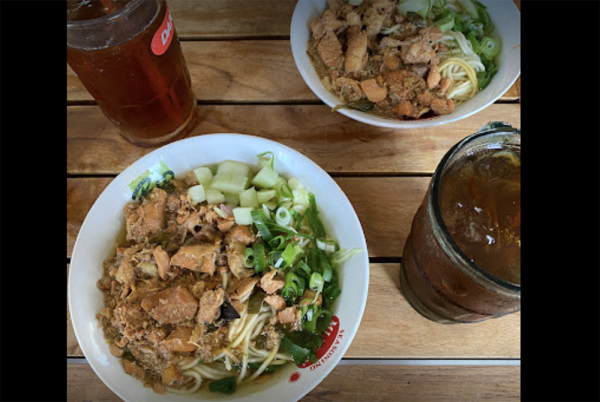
301,197
197,194
242,215
204,175
214,196
235,168
248,198
229,182
295,184
263,196
265,178
271,205
232,199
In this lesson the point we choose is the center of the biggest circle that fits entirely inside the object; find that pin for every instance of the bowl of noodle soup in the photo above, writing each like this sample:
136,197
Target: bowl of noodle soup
104,229
467,98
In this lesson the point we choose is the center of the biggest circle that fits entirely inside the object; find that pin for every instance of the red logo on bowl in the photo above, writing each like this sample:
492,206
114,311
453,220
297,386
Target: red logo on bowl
294,377
331,338
164,35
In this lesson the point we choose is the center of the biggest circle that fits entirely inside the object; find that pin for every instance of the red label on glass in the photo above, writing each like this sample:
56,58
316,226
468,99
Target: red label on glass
164,35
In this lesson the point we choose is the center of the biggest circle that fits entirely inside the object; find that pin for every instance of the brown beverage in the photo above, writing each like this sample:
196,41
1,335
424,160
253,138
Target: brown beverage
127,55
480,200
462,259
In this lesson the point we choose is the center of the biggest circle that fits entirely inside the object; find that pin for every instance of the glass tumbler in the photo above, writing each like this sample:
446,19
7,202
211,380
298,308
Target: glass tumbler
127,55
462,261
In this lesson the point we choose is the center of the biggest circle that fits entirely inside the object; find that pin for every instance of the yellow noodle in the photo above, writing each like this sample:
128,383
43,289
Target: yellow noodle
266,363
187,391
447,68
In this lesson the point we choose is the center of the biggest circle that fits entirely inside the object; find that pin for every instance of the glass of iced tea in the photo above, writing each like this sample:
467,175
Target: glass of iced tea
462,259
127,55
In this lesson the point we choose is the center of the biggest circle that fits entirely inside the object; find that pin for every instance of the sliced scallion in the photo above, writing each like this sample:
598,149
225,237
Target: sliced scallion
260,219
249,259
260,260
283,216
489,47
316,282
329,246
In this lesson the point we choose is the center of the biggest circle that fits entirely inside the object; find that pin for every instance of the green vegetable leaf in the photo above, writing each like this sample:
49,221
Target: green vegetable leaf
227,385
362,105
313,218
296,352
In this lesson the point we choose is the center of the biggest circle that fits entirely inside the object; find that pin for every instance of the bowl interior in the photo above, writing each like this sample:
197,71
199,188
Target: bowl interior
97,239
507,20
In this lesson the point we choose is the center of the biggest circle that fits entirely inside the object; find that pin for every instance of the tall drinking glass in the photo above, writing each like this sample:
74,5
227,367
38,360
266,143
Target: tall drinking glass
127,55
462,259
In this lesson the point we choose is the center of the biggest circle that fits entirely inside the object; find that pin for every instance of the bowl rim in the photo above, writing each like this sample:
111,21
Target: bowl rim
144,161
299,52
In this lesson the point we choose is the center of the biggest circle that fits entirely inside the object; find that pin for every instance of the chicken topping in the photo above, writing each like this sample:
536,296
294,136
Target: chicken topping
361,63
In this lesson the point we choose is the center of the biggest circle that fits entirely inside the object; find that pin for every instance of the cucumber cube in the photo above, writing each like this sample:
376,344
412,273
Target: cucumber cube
204,175
214,196
263,196
243,215
229,182
235,168
265,178
248,198
197,194
271,205
301,197
295,184
232,199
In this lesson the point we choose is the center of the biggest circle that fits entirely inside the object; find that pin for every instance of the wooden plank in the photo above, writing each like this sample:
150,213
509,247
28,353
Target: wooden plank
268,74
391,328
201,19
210,19
338,144
81,195
368,383
73,348
221,19
384,205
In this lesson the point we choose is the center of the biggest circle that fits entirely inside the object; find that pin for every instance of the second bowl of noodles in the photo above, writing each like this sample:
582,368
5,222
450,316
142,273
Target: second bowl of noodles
379,64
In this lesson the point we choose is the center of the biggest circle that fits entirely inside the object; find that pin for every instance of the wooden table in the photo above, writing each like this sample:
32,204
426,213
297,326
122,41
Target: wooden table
245,80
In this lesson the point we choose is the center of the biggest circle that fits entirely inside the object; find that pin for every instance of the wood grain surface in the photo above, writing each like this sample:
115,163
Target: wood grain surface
267,75
379,383
336,143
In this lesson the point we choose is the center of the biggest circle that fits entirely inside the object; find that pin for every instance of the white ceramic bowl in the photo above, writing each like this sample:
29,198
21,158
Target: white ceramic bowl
105,220
504,14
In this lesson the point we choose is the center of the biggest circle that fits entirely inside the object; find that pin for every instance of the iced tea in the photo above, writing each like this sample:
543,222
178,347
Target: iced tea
127,55
480,200
462,259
